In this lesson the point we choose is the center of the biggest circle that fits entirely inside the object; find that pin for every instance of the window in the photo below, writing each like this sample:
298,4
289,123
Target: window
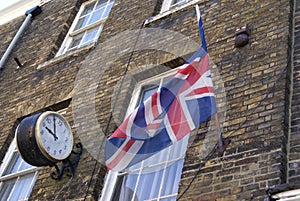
16,176
170,4
87,25
156,178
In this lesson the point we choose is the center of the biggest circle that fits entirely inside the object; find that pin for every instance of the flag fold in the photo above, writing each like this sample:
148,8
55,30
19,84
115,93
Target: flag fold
178,107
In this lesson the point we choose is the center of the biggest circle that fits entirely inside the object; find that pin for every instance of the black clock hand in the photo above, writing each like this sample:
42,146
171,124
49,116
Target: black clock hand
54,126
55,137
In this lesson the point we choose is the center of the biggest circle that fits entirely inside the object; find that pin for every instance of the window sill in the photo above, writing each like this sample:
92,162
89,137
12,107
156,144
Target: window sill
74,53
21,173
169,12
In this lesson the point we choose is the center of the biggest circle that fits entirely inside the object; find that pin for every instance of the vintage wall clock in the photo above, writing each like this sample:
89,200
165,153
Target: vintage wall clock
44,139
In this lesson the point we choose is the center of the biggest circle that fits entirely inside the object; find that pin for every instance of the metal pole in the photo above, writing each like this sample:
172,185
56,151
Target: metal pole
15,40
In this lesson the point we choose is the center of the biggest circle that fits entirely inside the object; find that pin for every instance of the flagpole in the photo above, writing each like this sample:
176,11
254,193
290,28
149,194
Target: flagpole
222,144
200,24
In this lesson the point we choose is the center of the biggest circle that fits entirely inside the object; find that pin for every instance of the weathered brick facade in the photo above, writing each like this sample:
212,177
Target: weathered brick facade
260,80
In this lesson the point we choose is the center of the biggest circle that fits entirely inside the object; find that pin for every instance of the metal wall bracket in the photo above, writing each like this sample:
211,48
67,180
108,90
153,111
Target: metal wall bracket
69,165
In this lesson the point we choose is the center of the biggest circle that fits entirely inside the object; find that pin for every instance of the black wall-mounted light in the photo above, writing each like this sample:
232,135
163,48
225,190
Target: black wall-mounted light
20,65
242,36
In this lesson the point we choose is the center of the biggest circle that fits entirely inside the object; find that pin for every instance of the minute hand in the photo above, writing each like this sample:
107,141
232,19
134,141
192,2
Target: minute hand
54,135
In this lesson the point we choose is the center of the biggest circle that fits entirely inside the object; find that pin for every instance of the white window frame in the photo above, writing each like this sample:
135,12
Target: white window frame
168,4
5,163
72,33
111,177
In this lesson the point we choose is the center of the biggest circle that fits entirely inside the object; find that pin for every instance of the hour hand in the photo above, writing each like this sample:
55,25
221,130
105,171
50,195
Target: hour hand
54,135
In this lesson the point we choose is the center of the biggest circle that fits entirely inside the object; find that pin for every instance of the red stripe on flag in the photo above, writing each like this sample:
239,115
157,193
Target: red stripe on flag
196,70
121,130
177,120
154,105
201,91
122,153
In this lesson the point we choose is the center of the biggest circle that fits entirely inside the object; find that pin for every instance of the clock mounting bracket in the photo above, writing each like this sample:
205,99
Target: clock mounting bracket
69,165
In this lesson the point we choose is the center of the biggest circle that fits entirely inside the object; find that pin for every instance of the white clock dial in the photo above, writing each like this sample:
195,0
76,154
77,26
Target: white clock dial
54,136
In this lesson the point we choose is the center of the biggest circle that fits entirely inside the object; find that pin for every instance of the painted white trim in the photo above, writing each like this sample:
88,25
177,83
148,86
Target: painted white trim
166,11
7,157
111,177
71,33
109,184
291,195
6,160
138,88
16,10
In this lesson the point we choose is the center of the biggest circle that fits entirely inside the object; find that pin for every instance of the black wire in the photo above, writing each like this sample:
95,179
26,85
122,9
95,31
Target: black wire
113,108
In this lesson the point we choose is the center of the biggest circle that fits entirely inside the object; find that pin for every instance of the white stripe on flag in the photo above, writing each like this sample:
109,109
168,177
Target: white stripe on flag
129,155
169,129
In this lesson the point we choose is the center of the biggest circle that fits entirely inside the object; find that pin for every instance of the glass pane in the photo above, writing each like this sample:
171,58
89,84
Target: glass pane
82,22
168,199
13,164
172,178
6,189
107,11
25,166
22,187
76,41
178,2
127,189
149,92
88,9
149,185
96,16
178,149
146,92
101,4
157,158
135,166
90,36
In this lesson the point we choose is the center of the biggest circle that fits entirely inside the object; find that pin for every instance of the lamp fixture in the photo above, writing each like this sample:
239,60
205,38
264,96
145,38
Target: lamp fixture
242,35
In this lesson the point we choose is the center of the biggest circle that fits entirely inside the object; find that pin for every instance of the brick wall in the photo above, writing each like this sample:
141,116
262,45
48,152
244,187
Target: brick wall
293,151
257,125
256,156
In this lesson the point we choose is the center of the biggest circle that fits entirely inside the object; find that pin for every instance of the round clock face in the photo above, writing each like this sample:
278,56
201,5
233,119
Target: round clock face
54,136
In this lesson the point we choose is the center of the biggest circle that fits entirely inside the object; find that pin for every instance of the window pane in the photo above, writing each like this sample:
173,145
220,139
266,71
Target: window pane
149,185
96,16
107,11
88,9
90,36
128,186
146,92
168,199
179,148
177,1
14,164
101,4
76,41
6,189
25,166
82,22
149,92
157,158
135,166
22,187
172,178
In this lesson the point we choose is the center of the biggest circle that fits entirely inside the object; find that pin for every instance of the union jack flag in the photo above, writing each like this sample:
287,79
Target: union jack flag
177,108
